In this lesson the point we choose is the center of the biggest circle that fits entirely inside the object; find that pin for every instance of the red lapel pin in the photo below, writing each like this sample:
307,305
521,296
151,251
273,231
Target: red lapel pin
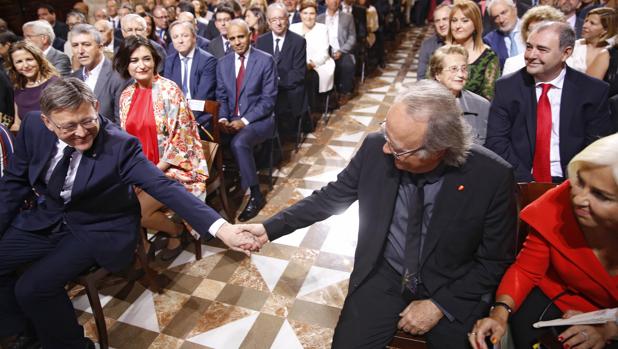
460,187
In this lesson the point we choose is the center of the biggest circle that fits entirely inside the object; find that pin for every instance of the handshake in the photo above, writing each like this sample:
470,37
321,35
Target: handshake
244,238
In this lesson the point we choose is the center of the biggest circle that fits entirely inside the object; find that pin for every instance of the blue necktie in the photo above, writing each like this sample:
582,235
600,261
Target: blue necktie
514,49
185,76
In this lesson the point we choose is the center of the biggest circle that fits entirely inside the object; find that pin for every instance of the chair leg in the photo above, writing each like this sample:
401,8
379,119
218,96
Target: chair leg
224,202
97,312
363,72
325,116
149,274
197,243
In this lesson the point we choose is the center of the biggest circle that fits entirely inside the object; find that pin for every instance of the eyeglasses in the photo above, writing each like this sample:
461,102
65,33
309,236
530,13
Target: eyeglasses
277,19
72,127
223,20
453,69
402,154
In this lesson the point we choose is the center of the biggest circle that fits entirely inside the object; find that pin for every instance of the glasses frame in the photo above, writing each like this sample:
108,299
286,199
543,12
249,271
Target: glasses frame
402,154
86,124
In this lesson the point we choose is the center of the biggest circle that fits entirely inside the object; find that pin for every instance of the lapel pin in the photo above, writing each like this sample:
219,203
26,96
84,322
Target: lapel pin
460,187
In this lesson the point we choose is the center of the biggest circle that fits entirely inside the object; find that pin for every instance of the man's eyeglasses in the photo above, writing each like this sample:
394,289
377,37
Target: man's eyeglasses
72,127
278,19
402,154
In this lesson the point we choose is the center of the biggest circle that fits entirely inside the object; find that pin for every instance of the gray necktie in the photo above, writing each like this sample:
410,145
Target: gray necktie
185,76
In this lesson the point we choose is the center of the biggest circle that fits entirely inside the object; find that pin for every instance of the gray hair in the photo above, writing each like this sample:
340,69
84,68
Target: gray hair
240,23
75,13
564,31
187,24
276,6
106,23
447,131
600,153
41,27
510,3
66,94
88,30
133,17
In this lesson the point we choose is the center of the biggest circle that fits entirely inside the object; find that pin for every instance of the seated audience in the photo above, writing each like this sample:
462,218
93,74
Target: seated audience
6,148
162,18
289,51
96,70
7,38
30,72
256,19
150,31
342,39
505,40
101,13
569,8
441,23
7,103
201,11
247,117
108,40
73,18
320,65
82,218
200,42
191,68
605,67
532,17
374,43
543,115
133,24
47,13
219,45
449,66
466,29
154,110
41,34
597,34
568,262
185,11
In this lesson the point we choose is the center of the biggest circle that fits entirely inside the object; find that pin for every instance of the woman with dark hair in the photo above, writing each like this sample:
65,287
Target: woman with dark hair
7,38
30,72
150,28
154,110
466,29
256,19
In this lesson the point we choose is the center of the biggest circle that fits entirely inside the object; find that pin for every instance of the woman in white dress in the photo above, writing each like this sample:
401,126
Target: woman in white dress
597,34
320,66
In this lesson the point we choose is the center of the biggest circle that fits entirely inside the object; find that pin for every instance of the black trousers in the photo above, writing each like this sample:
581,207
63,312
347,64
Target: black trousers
370,315
344,73
38,295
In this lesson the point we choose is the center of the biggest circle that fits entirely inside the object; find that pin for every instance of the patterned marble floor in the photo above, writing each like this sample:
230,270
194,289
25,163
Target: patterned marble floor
290,294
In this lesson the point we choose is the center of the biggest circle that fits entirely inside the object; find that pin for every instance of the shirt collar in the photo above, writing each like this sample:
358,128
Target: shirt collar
96,69
557,82
190,55
246,55
275,37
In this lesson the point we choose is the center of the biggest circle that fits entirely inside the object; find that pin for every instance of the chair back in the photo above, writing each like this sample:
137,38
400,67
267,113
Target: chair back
211,146
526,194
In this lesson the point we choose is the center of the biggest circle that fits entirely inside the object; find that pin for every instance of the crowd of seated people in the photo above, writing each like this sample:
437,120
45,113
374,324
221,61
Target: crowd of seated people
533,86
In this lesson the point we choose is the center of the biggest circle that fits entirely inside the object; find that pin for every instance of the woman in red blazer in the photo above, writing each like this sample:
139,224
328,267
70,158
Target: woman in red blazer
569,261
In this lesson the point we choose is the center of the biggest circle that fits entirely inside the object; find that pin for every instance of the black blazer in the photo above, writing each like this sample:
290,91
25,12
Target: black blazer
291,69
470,239
216,48
511,128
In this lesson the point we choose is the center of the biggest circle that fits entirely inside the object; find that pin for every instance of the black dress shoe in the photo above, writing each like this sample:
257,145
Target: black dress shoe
252,209
25,342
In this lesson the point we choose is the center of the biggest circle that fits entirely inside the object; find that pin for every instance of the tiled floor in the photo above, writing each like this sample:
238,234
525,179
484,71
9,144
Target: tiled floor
290,294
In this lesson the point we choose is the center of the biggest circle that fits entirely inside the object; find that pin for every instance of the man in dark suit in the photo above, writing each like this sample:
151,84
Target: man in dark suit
97,71
219,46
47,13
506,39
41,34
247,92
290,53
161,19
83,169
292,11
437,225
341,46
191,68
544,114
200,42
570,8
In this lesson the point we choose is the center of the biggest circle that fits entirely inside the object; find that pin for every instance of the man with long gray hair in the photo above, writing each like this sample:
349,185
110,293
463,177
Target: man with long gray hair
84,170
437,225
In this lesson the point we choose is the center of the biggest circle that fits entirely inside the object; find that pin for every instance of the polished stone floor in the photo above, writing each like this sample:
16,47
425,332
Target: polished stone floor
290,294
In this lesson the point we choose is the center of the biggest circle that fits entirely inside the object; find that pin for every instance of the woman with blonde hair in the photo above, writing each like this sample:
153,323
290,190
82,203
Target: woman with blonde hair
597,34
569,262
30,72
466,29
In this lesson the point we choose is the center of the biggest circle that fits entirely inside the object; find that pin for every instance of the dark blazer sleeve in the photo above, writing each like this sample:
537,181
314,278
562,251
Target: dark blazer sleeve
221,91
61,62
206,87
265,104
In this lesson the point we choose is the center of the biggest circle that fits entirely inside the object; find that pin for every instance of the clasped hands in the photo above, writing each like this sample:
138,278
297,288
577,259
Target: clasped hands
231,126
245,238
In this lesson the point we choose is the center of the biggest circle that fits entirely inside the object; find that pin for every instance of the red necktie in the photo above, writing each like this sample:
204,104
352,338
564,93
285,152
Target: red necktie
239,79
540,165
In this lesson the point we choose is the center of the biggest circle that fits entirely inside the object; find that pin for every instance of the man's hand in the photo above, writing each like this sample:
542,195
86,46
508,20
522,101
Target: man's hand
237,239
258,230
337,55
419,317
224,125
237,125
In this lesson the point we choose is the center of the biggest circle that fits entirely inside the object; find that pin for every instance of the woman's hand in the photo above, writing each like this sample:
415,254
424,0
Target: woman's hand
489,326
584,337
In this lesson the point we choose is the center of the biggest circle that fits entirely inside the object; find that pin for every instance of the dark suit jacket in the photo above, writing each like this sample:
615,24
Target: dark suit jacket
360,21
200,42
108,88
61,30
6,148
511,128
291,71
495,40
59,60
203,82
202,29
258,93
216,47
211,30
103,210
470,239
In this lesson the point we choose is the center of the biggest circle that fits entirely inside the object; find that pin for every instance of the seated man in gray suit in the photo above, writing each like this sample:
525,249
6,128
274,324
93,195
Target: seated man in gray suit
342,38
41,34
96,70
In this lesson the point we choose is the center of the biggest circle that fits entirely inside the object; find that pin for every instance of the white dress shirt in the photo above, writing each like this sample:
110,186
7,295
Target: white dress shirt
555,95
182,71
281,39
91,77
76,158
332,23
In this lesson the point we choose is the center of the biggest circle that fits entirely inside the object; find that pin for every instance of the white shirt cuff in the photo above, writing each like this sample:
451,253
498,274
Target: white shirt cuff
214,228
245,121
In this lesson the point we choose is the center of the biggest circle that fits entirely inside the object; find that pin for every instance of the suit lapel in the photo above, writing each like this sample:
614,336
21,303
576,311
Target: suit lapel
194,73
231,72
48,142
386,195
529,94
86,165
568,106
250,64
104,76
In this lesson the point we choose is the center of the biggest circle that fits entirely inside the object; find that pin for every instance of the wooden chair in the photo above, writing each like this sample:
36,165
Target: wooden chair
94,275
214,157
403,340
527,193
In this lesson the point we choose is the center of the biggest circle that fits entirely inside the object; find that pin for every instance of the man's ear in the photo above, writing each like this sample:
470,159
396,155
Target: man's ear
47,123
